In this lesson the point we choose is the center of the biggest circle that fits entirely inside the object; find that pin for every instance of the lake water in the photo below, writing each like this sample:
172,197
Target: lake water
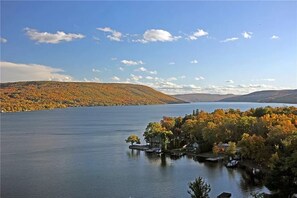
81,152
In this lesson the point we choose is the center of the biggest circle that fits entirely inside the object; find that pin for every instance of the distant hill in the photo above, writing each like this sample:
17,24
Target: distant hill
38,95
200,97
275,96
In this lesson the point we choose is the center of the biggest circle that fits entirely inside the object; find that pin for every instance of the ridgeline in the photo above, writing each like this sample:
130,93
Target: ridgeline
40,95
271,96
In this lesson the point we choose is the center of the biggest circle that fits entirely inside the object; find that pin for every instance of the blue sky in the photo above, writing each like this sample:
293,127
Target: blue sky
175,47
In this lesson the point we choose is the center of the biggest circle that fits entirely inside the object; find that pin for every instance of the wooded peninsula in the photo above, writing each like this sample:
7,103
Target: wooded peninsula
265,137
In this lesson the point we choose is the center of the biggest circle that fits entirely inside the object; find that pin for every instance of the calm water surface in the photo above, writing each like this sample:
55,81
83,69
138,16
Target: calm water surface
81,152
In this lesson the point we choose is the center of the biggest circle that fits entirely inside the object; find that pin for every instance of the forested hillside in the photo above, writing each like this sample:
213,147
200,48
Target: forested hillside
38,95
277,96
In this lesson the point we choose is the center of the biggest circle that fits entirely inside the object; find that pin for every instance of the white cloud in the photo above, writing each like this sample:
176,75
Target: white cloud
115,78
247,35
114,58
229,39
149,77
171,63
121,68
269,79
170,87
274,37
114,35
153,72
194,62
142,69
265,79
172,79
45,37
167,85
3,40
135,77
12,72
197,34
154,35
139,41
95,70
182,77
240,89
92,80
173,88
199,78
230,81
131,62
105,29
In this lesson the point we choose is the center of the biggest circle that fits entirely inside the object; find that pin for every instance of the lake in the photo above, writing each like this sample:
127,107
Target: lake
81,152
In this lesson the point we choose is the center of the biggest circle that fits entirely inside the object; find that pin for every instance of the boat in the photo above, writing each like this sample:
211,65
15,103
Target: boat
214,159
158,151
154,150
232,164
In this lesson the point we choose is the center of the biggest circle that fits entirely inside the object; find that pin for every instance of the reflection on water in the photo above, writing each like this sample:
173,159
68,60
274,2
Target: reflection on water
246,182
163,160
133,154
81,152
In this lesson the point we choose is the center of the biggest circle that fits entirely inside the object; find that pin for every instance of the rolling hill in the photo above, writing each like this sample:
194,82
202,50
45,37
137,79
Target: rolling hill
39,95
200,97
275,96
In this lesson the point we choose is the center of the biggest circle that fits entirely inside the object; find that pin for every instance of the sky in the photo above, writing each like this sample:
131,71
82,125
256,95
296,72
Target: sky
175,47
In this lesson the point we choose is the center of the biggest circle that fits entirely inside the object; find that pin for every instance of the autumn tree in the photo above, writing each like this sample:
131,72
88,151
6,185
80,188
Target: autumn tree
253,147
215,149
231,150
155,129
133,139
283,176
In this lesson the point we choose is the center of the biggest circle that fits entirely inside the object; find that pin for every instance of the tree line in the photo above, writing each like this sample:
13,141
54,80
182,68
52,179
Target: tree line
267,136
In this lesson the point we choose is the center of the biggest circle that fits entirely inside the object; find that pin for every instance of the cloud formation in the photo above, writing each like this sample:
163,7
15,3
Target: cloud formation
135,77
115,78
154,72
199,78
194,62
142,69
155,35
96,70
131,62
264,79
13,72
149,77
113,36
92,80
274,37
247,35
3,40
229,39
172,79
53,38
197,34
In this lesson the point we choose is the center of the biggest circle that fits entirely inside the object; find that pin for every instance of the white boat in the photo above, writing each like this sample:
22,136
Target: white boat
232,164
